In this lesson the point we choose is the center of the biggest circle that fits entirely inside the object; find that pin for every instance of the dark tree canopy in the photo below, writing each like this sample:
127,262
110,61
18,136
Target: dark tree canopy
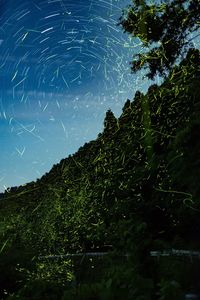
110,120
163,28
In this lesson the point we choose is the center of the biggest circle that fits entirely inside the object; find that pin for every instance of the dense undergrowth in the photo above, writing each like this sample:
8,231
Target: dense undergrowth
132,190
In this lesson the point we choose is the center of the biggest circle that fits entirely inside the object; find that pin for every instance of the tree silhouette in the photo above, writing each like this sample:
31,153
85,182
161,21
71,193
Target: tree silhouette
164,29
110,120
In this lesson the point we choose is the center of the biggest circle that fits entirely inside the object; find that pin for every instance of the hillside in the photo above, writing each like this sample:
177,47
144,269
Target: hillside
133,189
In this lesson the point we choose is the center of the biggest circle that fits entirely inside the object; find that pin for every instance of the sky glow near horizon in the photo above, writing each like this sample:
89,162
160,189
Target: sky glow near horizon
63,64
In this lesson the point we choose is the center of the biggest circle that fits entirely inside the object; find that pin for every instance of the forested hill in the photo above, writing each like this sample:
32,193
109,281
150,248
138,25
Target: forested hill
136,185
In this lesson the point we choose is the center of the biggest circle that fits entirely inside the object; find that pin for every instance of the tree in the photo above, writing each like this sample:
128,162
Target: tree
163,28
110,120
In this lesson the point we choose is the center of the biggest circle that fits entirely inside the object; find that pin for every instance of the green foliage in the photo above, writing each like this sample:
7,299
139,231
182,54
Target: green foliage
56,271
175,276
39,290
125,282
11,261
169,290
127,191
163,29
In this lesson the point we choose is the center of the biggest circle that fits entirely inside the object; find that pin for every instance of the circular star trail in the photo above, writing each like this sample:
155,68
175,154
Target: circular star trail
62,65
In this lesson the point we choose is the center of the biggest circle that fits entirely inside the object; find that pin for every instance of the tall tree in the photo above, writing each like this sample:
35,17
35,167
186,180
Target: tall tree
163,27
110,121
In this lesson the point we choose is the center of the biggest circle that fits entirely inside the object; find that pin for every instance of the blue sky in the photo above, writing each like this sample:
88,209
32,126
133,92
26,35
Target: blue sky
63,64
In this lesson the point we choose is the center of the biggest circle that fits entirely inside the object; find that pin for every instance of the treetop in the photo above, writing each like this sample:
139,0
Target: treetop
163,28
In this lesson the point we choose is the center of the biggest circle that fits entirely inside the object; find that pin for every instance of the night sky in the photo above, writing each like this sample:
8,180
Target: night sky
63,64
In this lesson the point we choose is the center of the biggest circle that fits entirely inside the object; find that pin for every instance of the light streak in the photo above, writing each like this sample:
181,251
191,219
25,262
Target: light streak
51,16
21,152
46,30
26,13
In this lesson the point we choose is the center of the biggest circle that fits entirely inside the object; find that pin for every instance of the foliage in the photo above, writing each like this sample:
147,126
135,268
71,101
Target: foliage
38,290
57,271
11,260
163,29
128,191
169,290
176,276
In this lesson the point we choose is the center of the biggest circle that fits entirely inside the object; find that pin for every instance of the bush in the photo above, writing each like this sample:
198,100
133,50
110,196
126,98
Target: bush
39,290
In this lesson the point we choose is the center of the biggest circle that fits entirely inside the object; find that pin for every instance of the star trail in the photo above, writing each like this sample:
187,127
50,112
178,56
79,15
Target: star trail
63,63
